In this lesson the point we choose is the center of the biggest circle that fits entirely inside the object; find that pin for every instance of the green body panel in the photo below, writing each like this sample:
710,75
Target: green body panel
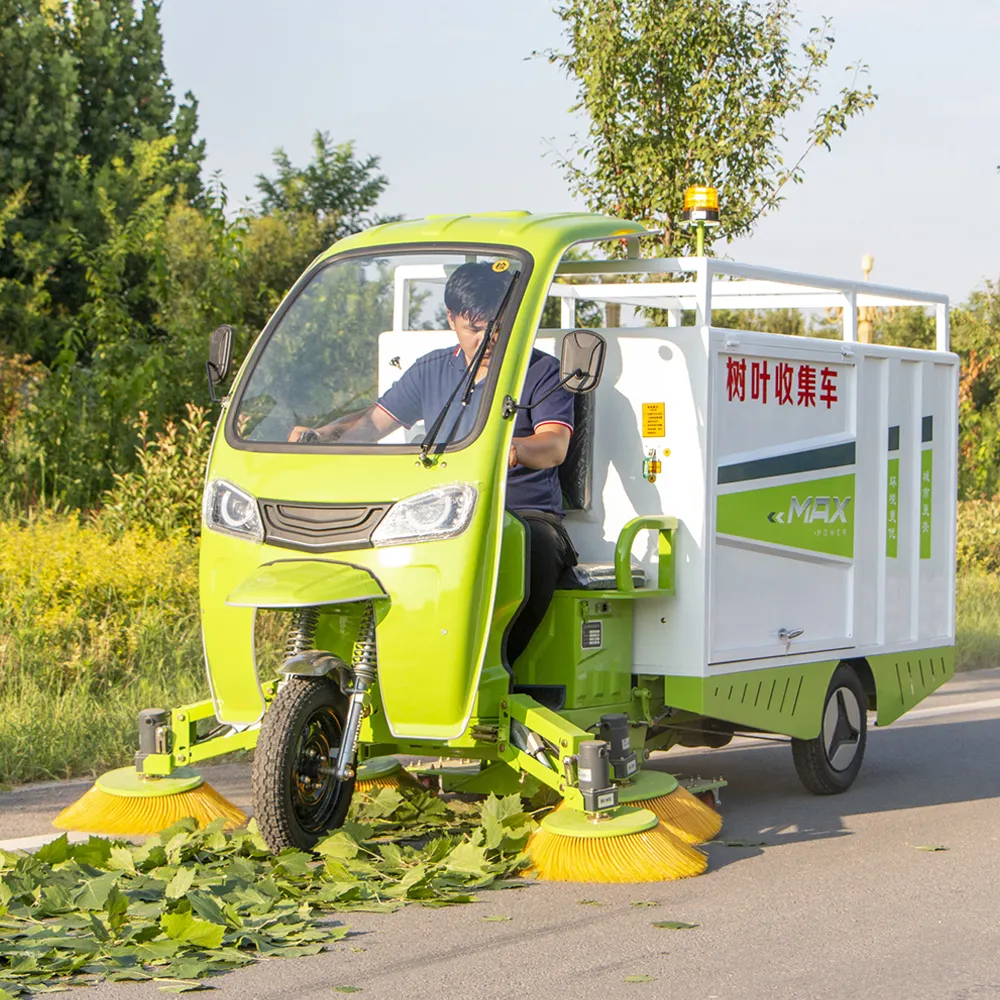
805,515
787,700
299,583
594,678
904,679
432,642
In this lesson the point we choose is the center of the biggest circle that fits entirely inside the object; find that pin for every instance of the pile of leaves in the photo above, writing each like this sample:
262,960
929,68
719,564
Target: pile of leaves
187,904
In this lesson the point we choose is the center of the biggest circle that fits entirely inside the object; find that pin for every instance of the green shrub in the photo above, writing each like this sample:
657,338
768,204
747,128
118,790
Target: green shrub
164,492
978,543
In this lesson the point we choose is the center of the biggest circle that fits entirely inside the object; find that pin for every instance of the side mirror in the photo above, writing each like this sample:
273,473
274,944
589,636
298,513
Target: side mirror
220,357
220,353
581,360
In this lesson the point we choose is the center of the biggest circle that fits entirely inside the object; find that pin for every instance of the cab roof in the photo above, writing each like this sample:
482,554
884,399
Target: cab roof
540,235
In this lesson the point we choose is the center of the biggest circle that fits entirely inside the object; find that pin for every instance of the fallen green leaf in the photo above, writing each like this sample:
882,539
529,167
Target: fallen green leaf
590,902
188,903
496,920
928,847
645,902
178,886
673,925
642,978
347,989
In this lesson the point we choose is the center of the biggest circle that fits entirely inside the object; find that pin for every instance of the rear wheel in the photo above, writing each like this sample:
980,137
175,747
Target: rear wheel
296,798
829,763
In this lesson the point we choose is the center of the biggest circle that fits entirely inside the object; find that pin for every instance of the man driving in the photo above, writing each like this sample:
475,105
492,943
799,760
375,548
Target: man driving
542,432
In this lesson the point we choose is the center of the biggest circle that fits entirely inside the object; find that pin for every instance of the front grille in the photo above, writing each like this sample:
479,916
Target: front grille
320,527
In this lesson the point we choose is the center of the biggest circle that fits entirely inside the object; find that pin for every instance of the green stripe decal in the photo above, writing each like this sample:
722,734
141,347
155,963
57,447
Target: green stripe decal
892,507
926,474
814,459
816,515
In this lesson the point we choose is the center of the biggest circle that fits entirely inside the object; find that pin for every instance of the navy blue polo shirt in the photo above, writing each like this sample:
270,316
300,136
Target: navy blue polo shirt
423,389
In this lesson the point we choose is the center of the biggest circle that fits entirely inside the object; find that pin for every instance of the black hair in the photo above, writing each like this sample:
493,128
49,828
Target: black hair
475,291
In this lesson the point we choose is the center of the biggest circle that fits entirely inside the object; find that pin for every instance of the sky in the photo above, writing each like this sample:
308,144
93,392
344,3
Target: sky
464,119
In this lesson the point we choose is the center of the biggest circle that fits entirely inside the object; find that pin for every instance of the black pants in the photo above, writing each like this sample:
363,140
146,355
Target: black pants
549,553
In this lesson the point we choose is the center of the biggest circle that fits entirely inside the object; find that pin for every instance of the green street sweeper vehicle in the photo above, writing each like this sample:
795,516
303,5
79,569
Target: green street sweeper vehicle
764,527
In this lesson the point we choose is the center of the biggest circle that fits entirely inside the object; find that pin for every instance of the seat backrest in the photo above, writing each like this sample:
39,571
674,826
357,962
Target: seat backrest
575,473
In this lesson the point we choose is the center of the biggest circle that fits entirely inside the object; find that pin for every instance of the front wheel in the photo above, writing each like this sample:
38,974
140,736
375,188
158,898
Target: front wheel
296,798
828,764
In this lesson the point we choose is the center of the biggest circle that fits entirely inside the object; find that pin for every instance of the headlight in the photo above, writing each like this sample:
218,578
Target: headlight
232,511
440,513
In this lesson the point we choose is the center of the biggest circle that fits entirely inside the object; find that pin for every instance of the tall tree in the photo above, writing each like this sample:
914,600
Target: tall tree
338,188
82,86
681,92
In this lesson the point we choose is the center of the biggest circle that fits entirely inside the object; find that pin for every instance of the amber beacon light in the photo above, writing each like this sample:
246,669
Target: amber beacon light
701,204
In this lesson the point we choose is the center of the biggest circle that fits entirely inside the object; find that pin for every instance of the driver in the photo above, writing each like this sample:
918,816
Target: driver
542,433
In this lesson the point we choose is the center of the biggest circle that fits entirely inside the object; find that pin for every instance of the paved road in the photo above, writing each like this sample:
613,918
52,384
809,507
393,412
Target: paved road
836,905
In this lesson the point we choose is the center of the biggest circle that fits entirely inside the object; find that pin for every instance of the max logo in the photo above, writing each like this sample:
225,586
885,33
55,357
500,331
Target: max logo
827,509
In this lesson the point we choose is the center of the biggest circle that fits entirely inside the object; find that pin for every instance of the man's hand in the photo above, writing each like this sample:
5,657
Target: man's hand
364,426
544,449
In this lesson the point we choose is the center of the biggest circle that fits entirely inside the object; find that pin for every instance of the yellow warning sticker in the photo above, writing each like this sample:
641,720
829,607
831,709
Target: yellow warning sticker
654,420
501,265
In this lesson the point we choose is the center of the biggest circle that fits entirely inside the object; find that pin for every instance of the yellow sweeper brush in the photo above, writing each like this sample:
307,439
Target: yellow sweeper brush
382,772
630,845
684,815
124,803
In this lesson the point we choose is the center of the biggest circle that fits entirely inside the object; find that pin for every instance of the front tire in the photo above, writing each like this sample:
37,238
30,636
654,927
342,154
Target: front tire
828,764
296,799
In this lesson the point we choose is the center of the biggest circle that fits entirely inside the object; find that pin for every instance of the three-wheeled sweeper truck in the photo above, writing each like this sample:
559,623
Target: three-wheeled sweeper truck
765,527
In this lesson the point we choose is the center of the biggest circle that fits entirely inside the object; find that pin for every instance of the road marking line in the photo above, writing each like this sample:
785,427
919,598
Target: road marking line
33,843
965,706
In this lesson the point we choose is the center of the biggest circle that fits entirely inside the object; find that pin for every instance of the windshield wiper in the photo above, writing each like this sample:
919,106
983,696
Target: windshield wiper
468,381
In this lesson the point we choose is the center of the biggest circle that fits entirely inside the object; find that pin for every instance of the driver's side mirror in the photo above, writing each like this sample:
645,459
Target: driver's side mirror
581,361
220,353
220,357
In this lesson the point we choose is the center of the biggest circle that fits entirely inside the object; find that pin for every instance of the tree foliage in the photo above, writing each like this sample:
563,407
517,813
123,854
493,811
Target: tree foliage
337,189
681,92
84,91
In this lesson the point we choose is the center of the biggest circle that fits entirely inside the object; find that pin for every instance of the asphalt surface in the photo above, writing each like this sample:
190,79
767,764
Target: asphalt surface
838,903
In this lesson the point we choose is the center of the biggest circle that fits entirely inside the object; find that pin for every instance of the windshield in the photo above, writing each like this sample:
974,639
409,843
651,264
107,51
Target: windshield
372,348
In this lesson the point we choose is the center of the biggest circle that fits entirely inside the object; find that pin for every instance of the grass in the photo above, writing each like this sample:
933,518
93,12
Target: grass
978,621
95,626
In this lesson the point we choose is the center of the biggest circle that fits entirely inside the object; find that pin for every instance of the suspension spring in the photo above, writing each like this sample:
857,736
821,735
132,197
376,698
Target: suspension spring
302,635
364,659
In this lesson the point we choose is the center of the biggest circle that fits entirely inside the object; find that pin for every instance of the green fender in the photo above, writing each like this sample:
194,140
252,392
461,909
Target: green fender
284,583
304,583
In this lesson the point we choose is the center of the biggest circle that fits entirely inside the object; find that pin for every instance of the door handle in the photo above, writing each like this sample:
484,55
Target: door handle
786,635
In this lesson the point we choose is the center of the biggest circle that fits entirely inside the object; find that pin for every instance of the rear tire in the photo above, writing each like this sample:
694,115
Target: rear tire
296,801
828,764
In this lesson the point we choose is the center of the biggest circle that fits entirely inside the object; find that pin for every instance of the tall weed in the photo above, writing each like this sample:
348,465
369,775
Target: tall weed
164,492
